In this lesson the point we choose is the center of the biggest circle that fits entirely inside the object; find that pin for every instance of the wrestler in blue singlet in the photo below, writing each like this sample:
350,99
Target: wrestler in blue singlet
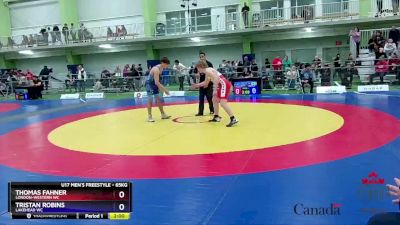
151,87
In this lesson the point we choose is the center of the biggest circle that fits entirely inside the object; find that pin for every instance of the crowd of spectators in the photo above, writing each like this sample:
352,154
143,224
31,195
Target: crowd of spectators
386,51
67,34
13,79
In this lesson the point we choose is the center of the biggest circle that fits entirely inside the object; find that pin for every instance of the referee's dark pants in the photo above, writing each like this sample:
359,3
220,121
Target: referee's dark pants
205,92
385,219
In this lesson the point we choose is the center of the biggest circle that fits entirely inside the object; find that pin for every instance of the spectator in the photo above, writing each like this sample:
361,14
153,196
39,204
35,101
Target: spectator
381,69
105,73
140,69
326,75
379,55
394,64
291,76
395,5
53,35
350,59
57,33
136,77
29,75
390,47
81,80
348,75
267,65
394,33
127,70
371,43
65,33
308,13
179,69
37,88
245,14
337,66
124,31
31,40
379,4
240,69
277,65
246,64
317,62
356,38
117,72
380,40
110,34
286,63
73,32
307,78
192,75
254,68
44,76
45,35
98,86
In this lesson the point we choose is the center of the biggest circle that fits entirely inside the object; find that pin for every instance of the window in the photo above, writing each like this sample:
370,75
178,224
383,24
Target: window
272,9
303,8
176,22
334,6
201,19
232,21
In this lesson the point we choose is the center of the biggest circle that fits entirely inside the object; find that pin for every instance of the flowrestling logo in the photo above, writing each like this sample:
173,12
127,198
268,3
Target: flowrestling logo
308,210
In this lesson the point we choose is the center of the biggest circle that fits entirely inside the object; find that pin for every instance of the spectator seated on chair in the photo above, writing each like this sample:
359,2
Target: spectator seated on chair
326,75
98,86
381,69
291,77
394,65
37,88
307,77
347,75
390,47
278,79
277,65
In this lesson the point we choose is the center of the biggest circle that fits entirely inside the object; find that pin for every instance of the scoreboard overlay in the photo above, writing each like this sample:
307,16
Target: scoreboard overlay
70,200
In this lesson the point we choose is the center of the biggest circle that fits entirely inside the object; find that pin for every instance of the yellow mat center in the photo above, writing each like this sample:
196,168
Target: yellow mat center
261,125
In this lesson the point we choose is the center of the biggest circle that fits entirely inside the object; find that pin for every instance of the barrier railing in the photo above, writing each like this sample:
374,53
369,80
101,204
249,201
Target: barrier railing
381,8
208,23
324,75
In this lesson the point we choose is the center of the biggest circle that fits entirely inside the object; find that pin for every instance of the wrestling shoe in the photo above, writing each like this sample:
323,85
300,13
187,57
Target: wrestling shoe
165,117
233,122
215,119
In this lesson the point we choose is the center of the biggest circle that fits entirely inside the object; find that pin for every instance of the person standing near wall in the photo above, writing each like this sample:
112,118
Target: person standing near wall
44,76
179,69
245,14
205,91
81,80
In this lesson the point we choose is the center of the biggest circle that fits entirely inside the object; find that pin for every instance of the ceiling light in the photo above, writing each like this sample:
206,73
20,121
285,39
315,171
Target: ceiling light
26,52
105,46
195,39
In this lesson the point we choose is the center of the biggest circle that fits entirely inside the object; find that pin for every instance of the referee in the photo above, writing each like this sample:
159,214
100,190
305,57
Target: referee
207,91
